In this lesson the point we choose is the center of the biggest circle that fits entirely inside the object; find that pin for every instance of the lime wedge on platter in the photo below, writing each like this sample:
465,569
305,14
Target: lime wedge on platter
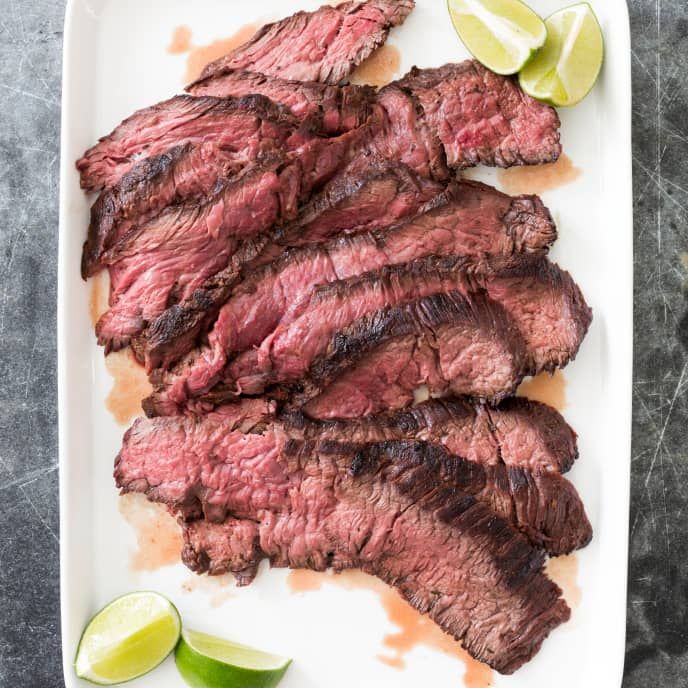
127,638
205,661
566,68
501,34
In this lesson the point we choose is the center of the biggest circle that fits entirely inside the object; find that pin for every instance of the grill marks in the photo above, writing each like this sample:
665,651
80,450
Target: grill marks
181,150
277,234
467,219
368,194
412,502
241,127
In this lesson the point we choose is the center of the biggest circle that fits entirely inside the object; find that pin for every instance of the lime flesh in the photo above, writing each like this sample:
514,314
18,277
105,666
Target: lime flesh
205,661
127,638
566,68
502,34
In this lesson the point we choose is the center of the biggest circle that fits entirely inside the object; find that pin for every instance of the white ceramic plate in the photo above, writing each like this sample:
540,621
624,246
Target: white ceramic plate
116,61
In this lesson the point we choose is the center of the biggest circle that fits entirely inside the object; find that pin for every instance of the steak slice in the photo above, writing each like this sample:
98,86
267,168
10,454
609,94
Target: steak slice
402,133
377,507
467,219
241,127
368,194
518,433
445,341
325,45
542,504
166,260
548,315
483,118
181,174
339,108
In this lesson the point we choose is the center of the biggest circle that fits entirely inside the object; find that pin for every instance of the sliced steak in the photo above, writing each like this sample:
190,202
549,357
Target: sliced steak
548,308
484,118
402,133
183,173
445,341
166,260
339,108
541,503
378,507
549,316
241,127
325,45
467,219
368,194
518,433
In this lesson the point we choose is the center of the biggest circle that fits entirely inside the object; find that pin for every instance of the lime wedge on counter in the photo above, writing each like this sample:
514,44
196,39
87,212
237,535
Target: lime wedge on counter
502,34
566,68
208,662
128,638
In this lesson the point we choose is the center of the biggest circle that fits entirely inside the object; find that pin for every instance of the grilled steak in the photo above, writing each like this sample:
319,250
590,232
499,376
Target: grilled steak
445,341
542,504
368,194
403,134
483,118
339,108
435,114
241,127
467,219
295,502
164,261
541,302
518,433
183,173
325,45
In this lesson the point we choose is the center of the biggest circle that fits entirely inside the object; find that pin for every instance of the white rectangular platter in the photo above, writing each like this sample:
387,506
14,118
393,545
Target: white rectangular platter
115,61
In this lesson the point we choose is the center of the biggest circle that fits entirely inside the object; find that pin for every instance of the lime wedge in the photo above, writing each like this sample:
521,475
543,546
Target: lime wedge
502,34
568,65
208,662
128,638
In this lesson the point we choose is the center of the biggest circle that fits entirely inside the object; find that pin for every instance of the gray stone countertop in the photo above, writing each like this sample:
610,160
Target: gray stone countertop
30,63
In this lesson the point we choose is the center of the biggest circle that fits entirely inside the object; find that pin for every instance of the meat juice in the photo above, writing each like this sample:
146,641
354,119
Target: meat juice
564,572
380,68
158,537
201,55
546,388
130,386
413,628
536,179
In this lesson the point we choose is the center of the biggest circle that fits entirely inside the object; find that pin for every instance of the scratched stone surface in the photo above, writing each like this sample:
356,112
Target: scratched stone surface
30,62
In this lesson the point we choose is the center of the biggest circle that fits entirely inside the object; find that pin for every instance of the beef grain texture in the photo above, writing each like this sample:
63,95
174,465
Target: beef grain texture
232,132
485,586
518,433
242,127
338,108
445,341
543,307
524,486
165,261
467,219
325,45
368,194
483,118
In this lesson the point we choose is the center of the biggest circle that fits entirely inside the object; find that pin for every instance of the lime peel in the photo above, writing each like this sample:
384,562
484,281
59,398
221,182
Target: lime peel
205,661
